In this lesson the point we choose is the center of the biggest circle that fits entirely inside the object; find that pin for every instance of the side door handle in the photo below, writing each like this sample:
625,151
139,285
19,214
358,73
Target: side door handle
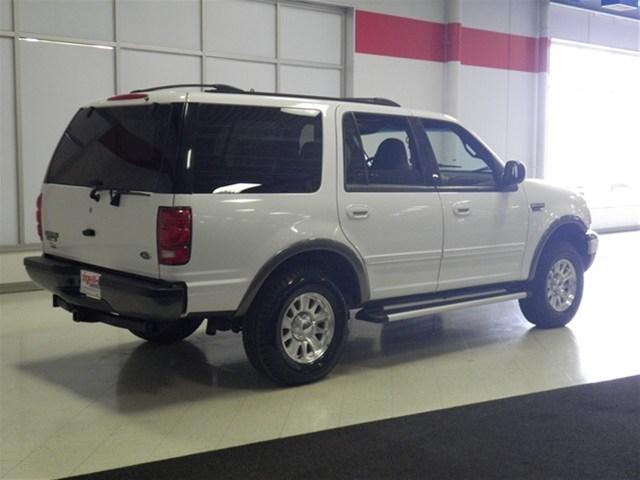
462,208
357,211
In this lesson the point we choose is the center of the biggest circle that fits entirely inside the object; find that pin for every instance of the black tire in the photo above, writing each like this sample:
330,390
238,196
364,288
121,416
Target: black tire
170,332
263,323
538,308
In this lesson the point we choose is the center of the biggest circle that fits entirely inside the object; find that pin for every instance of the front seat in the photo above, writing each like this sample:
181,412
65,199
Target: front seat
391,155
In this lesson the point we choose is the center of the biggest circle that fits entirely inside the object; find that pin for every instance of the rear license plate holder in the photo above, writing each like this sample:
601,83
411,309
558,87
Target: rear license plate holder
90,284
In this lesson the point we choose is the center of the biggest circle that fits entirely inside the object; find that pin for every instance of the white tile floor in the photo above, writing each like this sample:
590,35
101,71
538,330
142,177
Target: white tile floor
78,398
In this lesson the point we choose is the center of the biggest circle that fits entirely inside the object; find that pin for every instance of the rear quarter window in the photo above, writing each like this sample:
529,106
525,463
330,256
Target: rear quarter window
246,149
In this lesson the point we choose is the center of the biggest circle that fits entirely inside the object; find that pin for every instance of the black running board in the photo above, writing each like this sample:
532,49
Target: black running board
394,313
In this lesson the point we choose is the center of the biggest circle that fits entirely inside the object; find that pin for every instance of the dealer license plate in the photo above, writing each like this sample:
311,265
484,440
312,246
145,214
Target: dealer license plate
90,284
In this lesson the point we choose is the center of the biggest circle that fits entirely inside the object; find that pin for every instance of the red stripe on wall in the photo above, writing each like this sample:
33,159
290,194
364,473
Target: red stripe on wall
544,45
483,48
454,42
393,36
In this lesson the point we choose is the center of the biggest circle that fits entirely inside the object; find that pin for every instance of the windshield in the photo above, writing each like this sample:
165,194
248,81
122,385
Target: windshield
129,148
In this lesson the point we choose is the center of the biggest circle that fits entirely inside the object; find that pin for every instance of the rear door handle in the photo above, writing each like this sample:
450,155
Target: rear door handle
462,208
358,211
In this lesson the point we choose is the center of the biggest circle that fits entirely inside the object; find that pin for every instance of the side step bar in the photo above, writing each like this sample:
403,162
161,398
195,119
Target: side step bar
382,316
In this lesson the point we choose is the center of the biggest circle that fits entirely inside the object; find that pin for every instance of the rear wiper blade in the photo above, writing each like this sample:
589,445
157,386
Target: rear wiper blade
116,193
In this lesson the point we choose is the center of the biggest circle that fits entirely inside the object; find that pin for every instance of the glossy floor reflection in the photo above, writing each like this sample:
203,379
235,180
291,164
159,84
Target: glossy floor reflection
78,398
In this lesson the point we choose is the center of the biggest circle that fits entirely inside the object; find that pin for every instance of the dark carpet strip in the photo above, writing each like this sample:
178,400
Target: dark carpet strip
583,432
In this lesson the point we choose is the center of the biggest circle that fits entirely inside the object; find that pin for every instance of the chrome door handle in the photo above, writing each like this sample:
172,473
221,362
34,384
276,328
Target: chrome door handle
358,212
462,208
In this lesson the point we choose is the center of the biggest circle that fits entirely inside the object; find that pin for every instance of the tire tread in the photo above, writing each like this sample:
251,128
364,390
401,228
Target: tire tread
536,308
258,331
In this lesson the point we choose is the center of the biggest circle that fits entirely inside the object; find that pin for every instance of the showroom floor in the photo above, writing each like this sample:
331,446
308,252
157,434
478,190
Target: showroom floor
78,398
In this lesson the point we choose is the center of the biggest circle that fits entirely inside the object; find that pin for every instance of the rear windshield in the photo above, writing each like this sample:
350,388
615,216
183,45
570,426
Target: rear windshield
120,147
246,149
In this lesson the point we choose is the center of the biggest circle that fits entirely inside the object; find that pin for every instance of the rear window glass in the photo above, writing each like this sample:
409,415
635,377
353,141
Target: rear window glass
240,149
121,147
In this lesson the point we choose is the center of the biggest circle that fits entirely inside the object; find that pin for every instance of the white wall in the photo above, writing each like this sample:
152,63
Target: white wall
412,83
430,10
502,105
176,23
6,15
8,184
67,18
45,69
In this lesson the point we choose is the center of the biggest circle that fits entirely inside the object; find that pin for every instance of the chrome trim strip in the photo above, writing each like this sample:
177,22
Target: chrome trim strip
502,249
404,257
421,303
394,317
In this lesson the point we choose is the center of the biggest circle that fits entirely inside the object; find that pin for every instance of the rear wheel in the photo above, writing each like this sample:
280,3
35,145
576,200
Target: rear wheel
170,332
296,326
557,287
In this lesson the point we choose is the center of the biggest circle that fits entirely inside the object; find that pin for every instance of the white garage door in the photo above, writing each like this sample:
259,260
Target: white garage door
280,46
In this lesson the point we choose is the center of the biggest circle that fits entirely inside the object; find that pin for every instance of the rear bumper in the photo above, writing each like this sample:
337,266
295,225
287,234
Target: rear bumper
127,296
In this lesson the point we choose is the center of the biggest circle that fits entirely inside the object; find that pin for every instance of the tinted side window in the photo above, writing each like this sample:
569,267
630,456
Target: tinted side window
461,159
119,147
256,149
380,150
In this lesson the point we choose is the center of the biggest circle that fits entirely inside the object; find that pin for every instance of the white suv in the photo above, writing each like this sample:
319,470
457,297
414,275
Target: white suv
283,216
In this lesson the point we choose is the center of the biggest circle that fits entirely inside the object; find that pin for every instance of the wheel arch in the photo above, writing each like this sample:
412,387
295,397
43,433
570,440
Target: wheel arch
569,228
331,254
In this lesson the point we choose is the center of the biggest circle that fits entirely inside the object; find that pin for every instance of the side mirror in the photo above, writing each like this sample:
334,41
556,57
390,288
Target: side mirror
514,173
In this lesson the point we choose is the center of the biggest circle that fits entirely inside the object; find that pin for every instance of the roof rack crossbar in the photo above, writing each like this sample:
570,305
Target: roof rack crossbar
211,87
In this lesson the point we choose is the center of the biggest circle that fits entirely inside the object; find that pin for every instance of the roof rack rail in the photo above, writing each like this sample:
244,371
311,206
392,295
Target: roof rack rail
372,100
212,87
223,88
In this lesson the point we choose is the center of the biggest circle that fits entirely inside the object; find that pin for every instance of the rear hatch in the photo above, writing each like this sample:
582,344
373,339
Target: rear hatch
114,166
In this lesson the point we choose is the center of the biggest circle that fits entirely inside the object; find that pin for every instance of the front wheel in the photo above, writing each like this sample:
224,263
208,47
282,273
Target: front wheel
557,287
296,327
170,332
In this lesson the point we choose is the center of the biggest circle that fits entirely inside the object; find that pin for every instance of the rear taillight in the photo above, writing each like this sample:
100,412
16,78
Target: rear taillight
174,235
39,215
